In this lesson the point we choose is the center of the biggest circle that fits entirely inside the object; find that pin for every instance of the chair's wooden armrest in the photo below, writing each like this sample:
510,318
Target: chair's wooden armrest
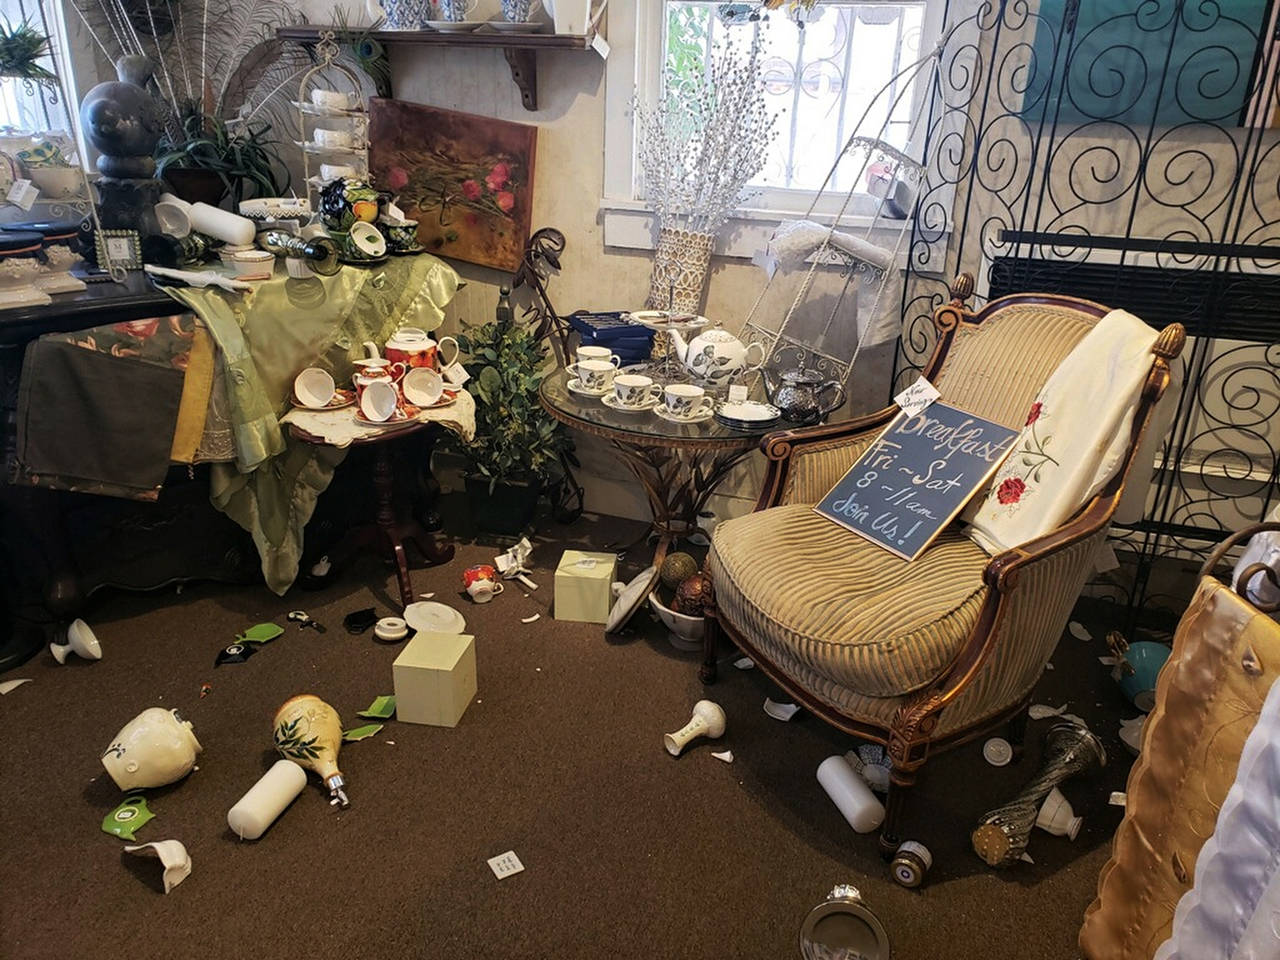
783,448
1001,572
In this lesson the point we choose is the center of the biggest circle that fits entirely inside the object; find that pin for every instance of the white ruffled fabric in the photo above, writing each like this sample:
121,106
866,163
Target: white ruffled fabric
1075,437
1233,910
795,240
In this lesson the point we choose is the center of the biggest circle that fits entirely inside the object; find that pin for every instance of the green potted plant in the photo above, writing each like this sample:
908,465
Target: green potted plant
517,446
208,159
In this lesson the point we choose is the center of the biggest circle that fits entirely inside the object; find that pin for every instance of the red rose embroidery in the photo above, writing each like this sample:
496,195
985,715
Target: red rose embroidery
139,329
498,177
471,189
1011,490
1034,415
506,201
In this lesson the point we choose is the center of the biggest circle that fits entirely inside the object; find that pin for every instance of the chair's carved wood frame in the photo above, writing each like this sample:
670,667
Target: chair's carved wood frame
909,737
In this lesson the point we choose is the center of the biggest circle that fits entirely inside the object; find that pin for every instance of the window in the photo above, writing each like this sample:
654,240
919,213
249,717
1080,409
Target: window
28,107
820,79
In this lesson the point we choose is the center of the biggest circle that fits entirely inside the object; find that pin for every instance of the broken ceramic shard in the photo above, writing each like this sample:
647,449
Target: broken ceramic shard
173,857
10,685
234,653
261,633
80,640
381,708
1039,711
780,711
875,771
361,733
530,619
307,730
266,800
725,755
128,818
1079,630
708,721
745,663
154,748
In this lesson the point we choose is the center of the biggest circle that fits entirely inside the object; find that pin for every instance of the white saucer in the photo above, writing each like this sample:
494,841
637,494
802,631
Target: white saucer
610,400
575,386
516,26
432,617
671,418
749,411
455,26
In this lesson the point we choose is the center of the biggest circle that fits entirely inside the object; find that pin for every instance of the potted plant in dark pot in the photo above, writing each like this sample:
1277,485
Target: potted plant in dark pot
209,158
517,446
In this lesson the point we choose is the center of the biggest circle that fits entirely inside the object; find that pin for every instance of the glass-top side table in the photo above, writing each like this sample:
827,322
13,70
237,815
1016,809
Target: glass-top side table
679,465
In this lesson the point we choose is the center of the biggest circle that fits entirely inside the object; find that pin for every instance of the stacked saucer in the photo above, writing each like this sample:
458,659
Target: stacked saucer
748,415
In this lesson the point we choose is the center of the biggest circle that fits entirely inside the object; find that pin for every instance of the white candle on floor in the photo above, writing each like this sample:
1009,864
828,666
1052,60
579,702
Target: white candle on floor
266,800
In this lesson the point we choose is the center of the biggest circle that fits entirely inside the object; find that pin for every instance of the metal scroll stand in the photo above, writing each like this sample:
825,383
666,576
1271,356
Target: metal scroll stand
326,52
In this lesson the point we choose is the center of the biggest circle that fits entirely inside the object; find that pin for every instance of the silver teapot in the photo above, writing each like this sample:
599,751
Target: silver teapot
799,394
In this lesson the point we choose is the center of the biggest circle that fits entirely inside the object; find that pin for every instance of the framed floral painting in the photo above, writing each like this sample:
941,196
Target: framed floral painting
467,180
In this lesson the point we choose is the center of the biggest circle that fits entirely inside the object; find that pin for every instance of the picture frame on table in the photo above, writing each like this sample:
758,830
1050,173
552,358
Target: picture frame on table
123,247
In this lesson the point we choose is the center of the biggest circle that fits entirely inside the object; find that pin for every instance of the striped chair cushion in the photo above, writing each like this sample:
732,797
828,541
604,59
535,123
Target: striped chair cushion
807,591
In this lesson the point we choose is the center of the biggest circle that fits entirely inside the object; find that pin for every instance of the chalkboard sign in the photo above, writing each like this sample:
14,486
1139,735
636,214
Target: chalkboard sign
916,476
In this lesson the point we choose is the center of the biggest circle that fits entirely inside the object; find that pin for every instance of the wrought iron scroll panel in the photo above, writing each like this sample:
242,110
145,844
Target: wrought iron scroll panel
1124,151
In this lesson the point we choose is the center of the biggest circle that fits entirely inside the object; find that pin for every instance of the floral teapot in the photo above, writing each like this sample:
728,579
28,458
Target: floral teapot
799,394
717,355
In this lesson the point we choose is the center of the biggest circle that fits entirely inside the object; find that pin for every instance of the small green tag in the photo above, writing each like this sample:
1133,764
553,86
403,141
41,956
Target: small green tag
361,733
261,633
127,818
380,709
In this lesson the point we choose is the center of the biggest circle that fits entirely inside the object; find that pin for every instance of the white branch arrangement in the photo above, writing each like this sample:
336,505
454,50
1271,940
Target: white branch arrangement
704,141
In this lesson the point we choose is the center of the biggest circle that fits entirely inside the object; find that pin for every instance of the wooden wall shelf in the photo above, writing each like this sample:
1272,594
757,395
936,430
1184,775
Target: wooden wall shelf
520,49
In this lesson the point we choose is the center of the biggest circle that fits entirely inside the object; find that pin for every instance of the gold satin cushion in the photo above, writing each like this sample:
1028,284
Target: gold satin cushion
807,591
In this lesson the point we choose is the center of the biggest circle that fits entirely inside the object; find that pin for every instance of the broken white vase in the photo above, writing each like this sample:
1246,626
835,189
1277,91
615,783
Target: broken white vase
80,640
154,748
173,857
1057,817
708,721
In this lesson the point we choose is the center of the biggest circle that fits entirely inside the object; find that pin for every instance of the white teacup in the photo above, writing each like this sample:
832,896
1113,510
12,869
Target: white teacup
685,401
593,374
482,591
378,401
599,353
634,389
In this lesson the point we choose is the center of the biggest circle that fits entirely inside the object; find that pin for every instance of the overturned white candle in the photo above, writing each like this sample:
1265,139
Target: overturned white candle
266,800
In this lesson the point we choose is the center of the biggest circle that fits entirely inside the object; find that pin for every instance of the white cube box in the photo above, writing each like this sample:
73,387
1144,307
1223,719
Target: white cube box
435,678
584,586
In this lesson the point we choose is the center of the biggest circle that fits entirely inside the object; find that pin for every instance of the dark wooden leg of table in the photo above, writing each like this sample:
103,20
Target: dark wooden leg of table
384,487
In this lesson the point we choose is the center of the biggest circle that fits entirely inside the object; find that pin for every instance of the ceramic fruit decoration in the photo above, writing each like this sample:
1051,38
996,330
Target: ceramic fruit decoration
676,568
128,818
693,595
308,731
154,748
345,202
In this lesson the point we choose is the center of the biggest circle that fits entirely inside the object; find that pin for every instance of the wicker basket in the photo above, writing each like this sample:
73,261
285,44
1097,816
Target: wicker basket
679,270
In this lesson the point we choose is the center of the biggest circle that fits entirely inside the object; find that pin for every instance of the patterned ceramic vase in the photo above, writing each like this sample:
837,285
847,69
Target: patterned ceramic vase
345,202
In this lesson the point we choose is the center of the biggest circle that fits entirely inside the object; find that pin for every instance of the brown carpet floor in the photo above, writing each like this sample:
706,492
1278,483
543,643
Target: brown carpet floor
628,852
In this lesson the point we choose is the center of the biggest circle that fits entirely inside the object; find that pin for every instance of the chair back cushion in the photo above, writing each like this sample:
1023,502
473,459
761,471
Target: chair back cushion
994,369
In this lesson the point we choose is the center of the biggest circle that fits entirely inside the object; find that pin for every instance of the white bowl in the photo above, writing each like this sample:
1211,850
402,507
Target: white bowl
686,631
378,401
332,138
422,386
313,387
366,238
255,264
332,171
333,100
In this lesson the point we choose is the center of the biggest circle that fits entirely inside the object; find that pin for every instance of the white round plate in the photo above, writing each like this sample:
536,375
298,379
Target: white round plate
434,617
630,599
672,418
314,110
454,26
610,400
516,26
575,386
749,411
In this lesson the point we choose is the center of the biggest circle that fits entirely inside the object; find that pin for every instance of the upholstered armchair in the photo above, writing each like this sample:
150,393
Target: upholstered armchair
924,655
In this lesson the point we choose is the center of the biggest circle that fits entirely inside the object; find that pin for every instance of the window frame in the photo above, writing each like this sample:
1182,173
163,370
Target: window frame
634,71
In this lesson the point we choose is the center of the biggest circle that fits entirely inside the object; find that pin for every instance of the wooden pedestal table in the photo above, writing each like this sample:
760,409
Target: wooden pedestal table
391,529
678,464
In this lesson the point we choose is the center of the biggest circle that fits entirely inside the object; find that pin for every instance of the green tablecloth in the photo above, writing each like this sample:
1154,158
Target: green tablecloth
269,334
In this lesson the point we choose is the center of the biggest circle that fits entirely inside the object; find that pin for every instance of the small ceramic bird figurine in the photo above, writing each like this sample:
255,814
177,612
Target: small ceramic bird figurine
308,731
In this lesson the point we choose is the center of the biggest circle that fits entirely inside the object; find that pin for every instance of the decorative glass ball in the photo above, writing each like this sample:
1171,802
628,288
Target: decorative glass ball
676,568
